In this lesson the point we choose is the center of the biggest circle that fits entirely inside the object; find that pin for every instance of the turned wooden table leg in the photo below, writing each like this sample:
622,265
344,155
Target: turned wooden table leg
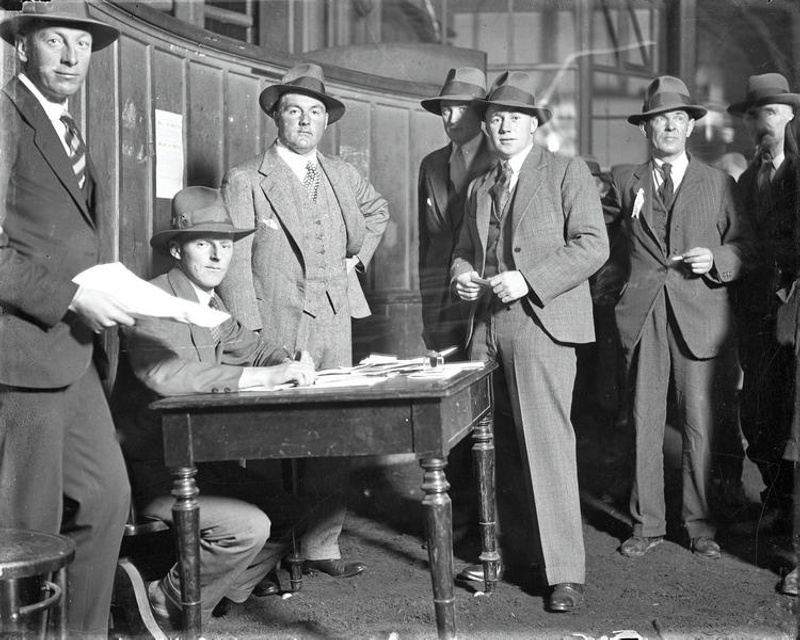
483,458
186,513
439,534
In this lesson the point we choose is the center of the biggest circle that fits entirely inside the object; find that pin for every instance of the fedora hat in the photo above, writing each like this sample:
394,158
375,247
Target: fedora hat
462,85
767,88
667,93
306,78
197,211
514,89
73,13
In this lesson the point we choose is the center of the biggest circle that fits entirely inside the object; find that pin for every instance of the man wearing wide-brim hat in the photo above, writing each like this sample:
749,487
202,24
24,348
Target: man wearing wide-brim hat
767,195
532,235
163,358
57,439
318,222
675,320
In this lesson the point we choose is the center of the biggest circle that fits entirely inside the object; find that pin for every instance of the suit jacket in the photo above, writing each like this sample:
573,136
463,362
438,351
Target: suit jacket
266,286
703,215
558,240
47,236
441,211
163,358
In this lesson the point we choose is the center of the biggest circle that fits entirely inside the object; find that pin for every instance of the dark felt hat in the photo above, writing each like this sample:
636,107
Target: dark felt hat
766,88
197,211
514,89
73,13
667,93
462,85
306,78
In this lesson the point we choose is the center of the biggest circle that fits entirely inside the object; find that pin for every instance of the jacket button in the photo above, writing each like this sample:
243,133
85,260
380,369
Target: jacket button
227,389
517,249
214,390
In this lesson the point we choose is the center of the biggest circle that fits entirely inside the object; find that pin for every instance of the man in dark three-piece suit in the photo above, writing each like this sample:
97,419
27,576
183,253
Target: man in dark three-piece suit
443,179
60,464
318,223
768,196
532,235
685,245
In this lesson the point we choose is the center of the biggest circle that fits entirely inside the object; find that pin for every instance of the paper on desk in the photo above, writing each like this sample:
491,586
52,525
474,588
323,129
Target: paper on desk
144,299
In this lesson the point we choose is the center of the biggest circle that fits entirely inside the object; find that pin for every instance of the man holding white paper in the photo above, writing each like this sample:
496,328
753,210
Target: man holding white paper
162,357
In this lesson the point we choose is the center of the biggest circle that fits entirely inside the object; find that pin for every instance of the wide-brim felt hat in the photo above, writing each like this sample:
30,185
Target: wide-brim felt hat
464,84
667,93
306,78
197,211
72,13
514,89
766,88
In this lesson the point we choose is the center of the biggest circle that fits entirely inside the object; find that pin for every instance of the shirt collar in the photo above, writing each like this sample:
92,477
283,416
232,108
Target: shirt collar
777,159
203,297
679,166
516,161
54,110
296,162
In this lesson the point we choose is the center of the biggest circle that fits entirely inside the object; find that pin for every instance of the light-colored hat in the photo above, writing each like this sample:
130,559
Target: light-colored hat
197,211
514,89
306,78
667,93
74,13
462,85
767,88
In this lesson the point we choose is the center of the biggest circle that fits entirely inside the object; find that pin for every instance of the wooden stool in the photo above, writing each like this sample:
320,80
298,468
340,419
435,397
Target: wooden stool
33,579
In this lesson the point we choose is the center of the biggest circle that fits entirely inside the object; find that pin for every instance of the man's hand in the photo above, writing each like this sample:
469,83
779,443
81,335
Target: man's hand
99,310
700,260
466,289
509,286
301,373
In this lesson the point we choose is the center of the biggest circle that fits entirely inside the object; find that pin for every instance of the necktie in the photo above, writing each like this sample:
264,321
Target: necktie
77,149
311,181
500,191
764,179
216,332
667,189
458,170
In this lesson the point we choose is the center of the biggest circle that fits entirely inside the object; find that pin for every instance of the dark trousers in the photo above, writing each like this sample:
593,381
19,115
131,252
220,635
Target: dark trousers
660,359
767,403
61,470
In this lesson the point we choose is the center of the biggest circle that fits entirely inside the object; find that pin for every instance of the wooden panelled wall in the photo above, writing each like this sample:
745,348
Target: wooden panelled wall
162,63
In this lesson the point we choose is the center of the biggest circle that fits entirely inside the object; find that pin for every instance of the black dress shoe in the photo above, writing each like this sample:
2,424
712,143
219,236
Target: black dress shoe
335,567
269,585
566,597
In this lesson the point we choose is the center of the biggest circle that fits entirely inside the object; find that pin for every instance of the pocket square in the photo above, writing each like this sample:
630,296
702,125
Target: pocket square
270,223
637,204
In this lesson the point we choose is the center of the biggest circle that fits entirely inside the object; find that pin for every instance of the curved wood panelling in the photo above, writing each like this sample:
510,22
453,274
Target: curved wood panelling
163,63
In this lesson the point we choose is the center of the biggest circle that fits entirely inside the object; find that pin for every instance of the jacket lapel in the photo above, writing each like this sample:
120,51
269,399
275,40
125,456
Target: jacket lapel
201,337
691,187
46,140
275,185
342,190
440,182
529,182
484,159
642,178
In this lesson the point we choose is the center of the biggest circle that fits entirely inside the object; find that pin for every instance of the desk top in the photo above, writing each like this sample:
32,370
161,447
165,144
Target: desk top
393,388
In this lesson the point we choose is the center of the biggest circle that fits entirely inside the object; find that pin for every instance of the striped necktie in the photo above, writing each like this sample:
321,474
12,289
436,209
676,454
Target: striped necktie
77,149
501,189
216,332
667,189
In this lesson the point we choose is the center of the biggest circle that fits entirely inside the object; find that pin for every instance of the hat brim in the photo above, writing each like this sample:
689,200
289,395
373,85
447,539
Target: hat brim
694,110
434,105
740,108
543,114
161,239
269,98
102,33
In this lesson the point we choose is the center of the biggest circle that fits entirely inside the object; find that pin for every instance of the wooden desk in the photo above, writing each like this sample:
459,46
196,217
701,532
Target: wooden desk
398,415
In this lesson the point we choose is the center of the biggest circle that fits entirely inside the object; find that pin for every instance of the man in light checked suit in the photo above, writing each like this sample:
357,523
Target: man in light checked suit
532,235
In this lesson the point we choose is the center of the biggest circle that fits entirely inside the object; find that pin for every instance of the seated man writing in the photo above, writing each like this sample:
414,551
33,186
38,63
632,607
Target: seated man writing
162,357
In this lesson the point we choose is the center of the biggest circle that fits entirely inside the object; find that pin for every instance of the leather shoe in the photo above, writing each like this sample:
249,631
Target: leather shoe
474,573
566,597
789,583
637,546
705,547
335,567
269,585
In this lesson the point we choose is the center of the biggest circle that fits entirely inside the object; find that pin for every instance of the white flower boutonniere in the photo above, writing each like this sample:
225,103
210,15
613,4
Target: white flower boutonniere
637,204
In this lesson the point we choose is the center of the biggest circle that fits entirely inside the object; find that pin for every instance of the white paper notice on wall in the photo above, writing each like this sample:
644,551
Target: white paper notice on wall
169,153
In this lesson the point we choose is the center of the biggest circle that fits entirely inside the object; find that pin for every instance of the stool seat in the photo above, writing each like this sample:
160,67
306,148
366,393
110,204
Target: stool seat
24,554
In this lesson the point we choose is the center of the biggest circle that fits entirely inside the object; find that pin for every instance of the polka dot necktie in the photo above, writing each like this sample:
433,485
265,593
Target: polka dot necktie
311,181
